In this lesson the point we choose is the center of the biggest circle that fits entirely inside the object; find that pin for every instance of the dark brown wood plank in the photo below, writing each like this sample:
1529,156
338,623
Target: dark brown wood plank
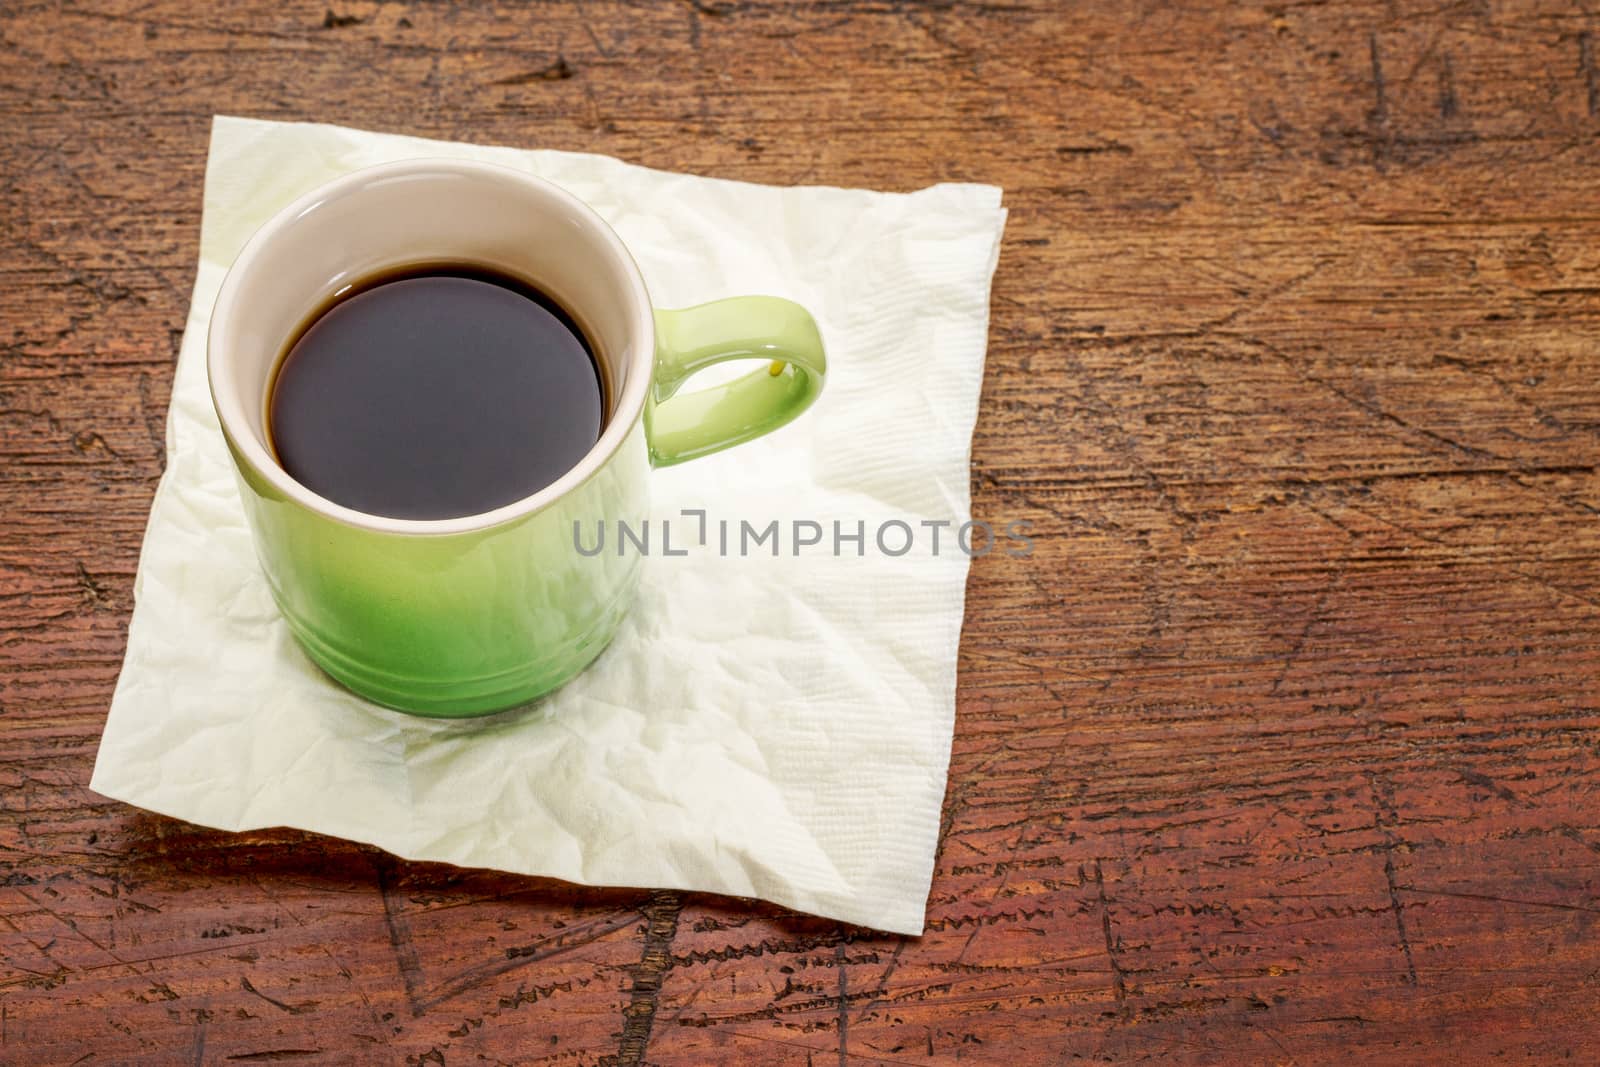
1283,745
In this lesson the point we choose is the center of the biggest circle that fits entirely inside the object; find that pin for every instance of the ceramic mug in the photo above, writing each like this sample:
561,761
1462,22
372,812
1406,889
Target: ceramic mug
465,616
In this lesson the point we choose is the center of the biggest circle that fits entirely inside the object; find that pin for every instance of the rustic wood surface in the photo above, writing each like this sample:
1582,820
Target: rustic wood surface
1284,746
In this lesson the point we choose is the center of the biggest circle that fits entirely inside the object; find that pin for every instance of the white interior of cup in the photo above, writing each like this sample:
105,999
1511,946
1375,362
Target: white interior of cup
417,212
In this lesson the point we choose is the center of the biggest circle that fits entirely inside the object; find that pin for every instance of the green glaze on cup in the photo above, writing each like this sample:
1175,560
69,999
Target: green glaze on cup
460,617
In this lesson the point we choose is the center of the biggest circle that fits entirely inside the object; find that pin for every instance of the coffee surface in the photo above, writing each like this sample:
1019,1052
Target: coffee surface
435,394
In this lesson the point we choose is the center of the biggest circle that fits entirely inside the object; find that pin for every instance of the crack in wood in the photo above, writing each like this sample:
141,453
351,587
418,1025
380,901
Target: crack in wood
660,914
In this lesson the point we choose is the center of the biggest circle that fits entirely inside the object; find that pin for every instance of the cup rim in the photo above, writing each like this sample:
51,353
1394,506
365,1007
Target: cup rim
629,404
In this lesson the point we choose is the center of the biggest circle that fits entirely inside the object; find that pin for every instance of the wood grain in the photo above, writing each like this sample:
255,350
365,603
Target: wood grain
1283,747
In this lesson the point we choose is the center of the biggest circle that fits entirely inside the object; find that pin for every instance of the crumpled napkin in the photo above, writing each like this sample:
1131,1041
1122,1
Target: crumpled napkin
767,726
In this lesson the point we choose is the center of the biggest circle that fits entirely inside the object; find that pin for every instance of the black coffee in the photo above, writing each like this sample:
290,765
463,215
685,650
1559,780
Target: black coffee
435,393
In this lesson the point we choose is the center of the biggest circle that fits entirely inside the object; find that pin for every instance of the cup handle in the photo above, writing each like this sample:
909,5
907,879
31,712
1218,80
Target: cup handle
699,423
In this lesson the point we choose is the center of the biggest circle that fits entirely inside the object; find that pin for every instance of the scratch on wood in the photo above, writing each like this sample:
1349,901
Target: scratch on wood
1483,781
844,1003
1382,137
1493,898
273,1055
1119,985
1586,67
516,958
694,26
1380,109
154,427
1449,105
558,70
198,1052
292,1009
90,589
400,939
1384,816
588,28
66,921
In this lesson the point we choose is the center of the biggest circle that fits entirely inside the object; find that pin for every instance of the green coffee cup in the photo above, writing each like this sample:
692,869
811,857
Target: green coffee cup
466,616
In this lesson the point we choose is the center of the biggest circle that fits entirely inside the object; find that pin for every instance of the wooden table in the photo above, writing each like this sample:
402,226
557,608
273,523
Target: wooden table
1283,747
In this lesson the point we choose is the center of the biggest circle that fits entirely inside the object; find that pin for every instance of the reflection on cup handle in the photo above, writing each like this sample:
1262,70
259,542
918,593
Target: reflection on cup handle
695,424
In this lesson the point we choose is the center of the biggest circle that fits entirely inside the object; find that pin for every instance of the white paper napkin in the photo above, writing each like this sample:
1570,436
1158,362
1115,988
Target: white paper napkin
769,727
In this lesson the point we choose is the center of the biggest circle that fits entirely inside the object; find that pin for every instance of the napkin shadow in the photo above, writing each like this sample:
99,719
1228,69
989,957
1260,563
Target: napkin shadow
172,854
164,855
